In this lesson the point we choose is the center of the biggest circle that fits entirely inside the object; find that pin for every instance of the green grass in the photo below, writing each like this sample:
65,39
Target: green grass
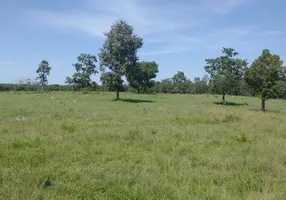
87,146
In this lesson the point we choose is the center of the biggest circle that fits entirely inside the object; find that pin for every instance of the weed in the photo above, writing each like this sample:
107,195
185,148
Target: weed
70,128
230,118
22,144
243,137
5,130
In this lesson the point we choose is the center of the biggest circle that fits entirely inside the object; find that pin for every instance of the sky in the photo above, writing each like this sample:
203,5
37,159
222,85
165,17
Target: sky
178,35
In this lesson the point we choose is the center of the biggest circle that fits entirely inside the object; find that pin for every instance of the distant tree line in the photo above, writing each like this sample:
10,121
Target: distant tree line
226,75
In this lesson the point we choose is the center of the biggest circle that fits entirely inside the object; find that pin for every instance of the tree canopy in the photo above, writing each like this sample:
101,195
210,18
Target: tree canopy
225,72
85,67
43,72
181,84
109,80
142,75
264,73
119,52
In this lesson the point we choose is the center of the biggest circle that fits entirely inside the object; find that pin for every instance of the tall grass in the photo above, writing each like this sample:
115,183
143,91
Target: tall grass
86,146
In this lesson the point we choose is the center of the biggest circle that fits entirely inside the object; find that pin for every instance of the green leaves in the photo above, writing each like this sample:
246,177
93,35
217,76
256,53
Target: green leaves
85,67
179,78
264,73
180,83
86,63
226,71
111,81
119,52
43,72
120,48
141,76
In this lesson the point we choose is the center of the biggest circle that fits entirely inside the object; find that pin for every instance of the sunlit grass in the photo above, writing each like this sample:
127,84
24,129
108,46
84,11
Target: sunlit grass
87,146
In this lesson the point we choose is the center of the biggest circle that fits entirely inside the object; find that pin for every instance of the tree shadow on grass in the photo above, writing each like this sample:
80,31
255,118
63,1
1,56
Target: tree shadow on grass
135,100
227,103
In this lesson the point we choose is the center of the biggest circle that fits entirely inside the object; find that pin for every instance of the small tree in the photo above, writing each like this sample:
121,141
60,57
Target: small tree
179,78
262,76
166,86
281,89
27,84
225,71
85,67
200,86
119,52
141,78
180,83
43,72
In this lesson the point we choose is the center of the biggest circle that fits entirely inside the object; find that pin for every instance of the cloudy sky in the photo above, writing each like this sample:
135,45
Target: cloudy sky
178,35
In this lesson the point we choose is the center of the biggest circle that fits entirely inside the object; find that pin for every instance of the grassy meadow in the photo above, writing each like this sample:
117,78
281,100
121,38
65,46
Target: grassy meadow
65,145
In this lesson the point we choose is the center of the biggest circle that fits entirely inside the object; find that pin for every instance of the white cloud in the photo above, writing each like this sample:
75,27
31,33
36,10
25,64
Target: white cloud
91,24
269,33
170,26
95,17
223,6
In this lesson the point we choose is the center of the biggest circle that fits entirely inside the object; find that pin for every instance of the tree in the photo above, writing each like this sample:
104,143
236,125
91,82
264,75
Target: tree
225,71
85,67
119,52
156,87
43,72
27,84
179,78
281,89
166,85
243,89
181,83
141,78
262,76
109,80
200,86
186,87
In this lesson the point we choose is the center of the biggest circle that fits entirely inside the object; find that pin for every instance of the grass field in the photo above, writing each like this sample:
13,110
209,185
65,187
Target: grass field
86,146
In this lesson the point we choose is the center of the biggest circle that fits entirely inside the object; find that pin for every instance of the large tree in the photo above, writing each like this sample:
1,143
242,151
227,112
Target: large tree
225,72
119,52
142,76
85,67
262,76
43,72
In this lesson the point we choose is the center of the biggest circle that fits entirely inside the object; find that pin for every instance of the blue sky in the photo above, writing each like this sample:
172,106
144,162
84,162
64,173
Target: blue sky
178,35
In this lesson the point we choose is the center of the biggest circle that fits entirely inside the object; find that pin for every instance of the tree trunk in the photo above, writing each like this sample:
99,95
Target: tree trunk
138,91
223,98
263,104
117,93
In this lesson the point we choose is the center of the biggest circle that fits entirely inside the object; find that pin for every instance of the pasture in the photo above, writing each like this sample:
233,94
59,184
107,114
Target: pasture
65,145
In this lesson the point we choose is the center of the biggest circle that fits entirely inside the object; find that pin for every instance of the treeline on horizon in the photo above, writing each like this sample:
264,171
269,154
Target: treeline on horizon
178,84
227,74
